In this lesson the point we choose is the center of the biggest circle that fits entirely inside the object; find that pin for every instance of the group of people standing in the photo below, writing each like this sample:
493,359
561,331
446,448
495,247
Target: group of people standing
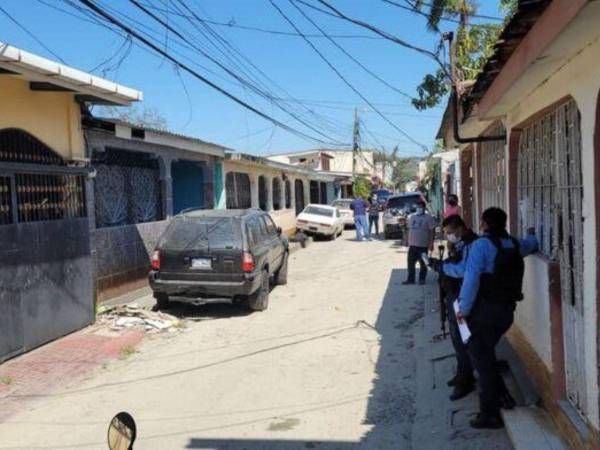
484,275
366,217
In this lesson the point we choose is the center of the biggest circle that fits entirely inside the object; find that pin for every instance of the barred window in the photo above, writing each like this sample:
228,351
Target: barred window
549,175
276,191
493,169
314,192
237,188
288,194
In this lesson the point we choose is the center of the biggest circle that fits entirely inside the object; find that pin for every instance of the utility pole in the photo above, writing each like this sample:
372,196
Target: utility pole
355,142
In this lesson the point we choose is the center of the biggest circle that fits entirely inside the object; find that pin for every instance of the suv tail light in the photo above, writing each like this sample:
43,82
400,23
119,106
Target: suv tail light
248,262
155,260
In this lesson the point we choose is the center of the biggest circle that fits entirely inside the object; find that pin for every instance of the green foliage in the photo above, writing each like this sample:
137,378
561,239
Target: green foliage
405,171
474,45
362,187
433,167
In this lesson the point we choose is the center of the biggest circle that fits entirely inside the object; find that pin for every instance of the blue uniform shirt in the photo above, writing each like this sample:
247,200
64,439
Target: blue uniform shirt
359,206
457,270
479,259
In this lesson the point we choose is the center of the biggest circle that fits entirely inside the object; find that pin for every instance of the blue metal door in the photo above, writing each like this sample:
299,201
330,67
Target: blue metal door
188,185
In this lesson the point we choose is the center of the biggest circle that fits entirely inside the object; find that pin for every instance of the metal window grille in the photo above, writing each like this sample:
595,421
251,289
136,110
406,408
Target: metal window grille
6,210
18,146
276,194
49,197
127,188
262,193
288,194
537,182
493,169
237,188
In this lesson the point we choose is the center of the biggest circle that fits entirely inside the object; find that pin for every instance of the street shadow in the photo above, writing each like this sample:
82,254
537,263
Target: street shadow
390,409
190,311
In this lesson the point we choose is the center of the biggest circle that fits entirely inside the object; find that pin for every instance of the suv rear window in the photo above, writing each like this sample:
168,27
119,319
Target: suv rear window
325,212
200,232
408,202
344,204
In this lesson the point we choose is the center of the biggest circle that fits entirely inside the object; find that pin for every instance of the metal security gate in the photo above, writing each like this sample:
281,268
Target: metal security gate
570,248
550,199
46,287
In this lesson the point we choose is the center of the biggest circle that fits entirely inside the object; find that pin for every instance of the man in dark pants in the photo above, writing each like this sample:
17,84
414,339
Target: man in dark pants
460,237
421,232
491,287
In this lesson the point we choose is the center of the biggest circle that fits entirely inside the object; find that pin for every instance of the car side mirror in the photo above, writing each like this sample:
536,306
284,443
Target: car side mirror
279,231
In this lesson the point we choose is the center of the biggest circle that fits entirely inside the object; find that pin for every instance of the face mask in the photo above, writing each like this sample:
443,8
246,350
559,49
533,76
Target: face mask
420,210
452,238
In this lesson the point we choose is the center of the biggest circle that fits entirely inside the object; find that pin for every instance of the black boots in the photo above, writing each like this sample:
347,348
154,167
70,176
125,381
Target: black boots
491,421
461,390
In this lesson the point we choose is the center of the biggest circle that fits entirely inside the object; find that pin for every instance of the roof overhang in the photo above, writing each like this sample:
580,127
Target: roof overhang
50,75
253,160
553,36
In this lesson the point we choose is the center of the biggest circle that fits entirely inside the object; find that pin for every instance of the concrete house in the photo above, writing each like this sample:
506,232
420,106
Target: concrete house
46,198
143,177
538,97
281,189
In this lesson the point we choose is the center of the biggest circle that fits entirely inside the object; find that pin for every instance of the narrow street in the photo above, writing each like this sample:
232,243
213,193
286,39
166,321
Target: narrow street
329,365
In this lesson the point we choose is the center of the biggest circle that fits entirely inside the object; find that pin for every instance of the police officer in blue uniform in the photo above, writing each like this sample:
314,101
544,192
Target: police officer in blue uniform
460,237
491,288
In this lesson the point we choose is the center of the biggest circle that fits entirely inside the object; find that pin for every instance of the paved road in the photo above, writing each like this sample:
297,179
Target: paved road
330,365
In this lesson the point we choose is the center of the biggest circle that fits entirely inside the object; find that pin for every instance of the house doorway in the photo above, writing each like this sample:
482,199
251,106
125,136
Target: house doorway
188,185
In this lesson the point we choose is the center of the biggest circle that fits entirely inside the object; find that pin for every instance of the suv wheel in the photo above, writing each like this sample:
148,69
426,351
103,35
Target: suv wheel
162,301
282,273
259,300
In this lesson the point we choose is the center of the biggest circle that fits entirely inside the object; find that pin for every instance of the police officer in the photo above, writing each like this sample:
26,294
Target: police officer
492,285
460,237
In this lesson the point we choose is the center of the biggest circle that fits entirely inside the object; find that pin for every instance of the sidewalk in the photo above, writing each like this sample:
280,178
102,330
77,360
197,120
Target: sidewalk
59,364
441,424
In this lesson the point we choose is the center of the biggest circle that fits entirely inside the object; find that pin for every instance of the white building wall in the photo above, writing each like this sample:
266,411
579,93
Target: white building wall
580,78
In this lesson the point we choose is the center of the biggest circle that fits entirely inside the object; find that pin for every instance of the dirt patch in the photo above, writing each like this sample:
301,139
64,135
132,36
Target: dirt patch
284,424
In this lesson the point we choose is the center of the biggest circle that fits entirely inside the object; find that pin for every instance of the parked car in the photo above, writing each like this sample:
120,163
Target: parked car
214,256
343,206
320,220
397,209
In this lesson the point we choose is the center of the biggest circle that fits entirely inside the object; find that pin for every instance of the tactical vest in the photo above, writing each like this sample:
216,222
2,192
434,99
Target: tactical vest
505,284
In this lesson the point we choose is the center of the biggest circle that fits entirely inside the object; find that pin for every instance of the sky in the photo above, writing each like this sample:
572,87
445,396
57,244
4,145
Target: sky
281,66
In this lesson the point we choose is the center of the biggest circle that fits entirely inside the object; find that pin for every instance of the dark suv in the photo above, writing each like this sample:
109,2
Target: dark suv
213,256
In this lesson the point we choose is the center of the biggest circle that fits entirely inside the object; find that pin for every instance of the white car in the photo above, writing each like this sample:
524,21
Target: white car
343,205
320,220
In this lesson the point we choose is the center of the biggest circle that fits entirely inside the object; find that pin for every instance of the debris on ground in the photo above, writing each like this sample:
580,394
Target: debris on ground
134,316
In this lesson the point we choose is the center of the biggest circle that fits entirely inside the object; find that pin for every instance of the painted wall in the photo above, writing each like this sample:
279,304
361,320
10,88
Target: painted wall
52,117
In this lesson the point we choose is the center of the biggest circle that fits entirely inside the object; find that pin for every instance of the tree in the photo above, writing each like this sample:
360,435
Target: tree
474,45
362,187
140,116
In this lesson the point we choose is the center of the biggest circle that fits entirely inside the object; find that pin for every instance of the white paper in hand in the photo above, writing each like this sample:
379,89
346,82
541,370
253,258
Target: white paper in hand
463,328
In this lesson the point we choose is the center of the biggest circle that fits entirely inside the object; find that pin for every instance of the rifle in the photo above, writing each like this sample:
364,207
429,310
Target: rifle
442,294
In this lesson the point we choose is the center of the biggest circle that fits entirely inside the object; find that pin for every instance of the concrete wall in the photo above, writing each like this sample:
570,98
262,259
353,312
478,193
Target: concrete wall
52,117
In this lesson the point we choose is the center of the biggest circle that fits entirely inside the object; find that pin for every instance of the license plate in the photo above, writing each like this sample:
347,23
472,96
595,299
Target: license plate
313,228
201,263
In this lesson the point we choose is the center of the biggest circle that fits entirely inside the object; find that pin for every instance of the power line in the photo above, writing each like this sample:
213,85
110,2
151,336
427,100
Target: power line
195,74
30,34
235,55
233,24
338,14
223,67
348,54
475,15
343,78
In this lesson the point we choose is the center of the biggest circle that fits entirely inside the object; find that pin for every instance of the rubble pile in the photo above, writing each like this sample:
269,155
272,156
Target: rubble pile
134,316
